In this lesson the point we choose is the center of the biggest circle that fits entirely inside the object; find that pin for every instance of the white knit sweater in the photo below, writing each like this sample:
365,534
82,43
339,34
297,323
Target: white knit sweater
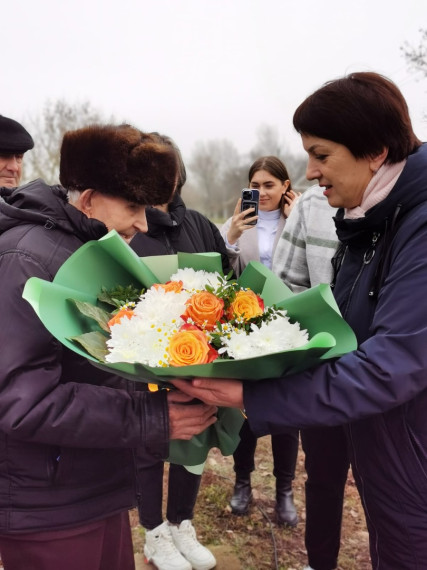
302,258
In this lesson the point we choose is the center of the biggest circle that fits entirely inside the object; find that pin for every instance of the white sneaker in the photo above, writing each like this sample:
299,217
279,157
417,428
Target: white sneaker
160,549
184,537
310,568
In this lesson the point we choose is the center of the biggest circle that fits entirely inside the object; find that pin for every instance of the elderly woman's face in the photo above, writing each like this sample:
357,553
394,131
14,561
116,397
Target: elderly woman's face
343,176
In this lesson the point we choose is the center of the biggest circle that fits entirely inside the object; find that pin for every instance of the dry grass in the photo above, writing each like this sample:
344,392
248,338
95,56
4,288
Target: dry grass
255,539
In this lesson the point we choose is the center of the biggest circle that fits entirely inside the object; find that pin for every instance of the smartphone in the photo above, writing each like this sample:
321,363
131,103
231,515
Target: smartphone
250,199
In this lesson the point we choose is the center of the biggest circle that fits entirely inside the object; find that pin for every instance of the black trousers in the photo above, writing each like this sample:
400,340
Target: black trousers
183,488
284,448
326,463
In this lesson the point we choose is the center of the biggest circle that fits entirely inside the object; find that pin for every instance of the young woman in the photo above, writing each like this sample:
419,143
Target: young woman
247,242
363,151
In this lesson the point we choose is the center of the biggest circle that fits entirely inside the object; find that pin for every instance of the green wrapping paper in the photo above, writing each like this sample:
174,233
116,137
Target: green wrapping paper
109,262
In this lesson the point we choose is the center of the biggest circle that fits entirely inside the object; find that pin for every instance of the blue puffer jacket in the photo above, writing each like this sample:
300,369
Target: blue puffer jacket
380,390
68,431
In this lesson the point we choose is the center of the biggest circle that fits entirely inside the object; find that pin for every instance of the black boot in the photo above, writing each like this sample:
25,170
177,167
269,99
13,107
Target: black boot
285,509
242,495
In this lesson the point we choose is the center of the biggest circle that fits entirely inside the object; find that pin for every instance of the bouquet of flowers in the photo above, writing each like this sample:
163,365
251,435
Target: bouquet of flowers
251,329
194,318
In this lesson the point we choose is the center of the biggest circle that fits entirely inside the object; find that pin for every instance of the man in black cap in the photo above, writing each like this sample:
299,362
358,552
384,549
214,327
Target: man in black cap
14,141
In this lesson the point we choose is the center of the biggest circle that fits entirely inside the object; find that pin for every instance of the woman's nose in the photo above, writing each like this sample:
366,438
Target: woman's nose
311,172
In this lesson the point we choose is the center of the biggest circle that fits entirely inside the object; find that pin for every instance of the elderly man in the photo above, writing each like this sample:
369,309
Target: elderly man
14,142
69,433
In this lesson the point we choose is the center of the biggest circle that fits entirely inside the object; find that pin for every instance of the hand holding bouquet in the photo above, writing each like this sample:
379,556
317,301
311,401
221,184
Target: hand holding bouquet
228,352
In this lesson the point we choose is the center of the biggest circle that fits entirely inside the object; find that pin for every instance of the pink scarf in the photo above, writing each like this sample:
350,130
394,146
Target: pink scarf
378,188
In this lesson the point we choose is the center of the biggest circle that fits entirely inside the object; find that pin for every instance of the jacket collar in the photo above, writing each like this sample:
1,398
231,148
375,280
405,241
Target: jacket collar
409,191
157,220
37,203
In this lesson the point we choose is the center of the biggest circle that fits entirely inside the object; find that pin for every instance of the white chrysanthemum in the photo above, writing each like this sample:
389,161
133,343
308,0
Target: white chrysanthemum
145,337
157,306
237,344
193,280
136,340
273,336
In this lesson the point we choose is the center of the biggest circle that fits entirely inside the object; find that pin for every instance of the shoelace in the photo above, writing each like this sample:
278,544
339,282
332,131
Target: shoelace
168,545
188,537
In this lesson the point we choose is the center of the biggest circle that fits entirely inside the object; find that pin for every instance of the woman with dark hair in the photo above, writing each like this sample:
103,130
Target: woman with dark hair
269,175
363,152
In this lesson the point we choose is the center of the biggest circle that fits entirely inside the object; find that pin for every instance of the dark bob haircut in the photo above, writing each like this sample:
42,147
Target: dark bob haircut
365,111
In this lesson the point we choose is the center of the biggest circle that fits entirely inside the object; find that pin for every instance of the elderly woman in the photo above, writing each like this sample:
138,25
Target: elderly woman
362,150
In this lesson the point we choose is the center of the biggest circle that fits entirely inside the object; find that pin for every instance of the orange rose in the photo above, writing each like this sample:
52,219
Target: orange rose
124,312
190,346
246,305
175,286
204,309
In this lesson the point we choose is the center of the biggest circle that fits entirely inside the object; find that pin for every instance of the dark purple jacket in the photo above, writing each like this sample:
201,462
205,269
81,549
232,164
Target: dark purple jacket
378,391
68,431
180,229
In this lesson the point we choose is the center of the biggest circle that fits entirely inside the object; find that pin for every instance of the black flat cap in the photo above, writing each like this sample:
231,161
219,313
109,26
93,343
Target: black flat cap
13,137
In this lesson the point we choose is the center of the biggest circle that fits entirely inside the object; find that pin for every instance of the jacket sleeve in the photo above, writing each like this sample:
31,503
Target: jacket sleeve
386,371
44,402
233,253
221,248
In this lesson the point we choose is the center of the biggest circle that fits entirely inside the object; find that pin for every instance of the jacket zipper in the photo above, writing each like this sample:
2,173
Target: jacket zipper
168,244
367,258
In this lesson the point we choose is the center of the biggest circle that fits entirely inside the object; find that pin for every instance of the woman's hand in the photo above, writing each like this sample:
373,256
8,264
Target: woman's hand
291,198
219,392
239,224
187,420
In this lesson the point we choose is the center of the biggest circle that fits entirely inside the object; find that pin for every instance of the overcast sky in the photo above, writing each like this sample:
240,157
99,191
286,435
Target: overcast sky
202,69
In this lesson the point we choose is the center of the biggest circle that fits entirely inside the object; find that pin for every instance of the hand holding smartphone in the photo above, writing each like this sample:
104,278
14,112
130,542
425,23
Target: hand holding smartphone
250,199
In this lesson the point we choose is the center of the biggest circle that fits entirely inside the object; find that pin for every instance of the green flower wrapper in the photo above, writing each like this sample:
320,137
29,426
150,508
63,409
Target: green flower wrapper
109,262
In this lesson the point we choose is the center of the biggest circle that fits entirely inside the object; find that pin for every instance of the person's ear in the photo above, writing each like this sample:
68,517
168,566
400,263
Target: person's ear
84,202
286,185
377,161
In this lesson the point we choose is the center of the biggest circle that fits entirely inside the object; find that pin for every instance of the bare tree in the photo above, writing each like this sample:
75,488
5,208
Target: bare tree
416,57
268,144
215,165
47,130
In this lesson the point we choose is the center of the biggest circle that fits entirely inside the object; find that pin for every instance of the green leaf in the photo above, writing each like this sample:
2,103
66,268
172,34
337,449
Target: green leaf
120,295
93,312
95,343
